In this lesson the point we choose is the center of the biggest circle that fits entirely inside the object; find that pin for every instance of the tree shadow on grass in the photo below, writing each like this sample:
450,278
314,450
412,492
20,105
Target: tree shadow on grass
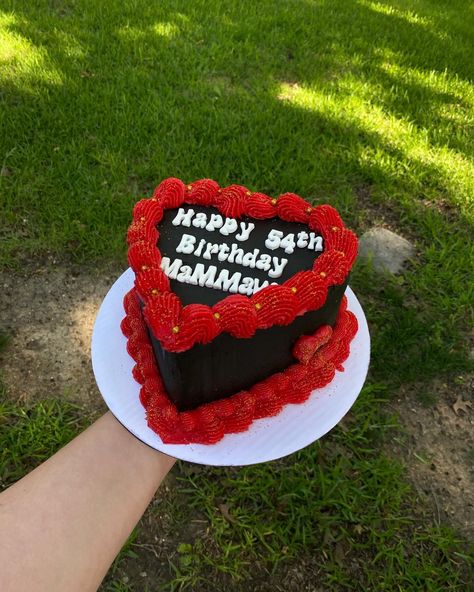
118,96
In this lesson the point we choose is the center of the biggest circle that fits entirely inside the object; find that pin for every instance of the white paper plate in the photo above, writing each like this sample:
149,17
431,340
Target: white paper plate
293,428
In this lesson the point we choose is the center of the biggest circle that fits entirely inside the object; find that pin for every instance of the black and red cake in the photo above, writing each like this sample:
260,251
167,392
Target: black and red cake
238,307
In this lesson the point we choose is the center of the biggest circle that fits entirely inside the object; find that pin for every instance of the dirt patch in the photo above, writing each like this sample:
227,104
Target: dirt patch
437,445
48,313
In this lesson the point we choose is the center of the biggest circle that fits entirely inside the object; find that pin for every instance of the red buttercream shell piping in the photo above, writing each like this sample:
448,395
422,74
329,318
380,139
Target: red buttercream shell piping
210,422
148,209
332,267
259,206
293,208
239,319
232,201
324,216
202,192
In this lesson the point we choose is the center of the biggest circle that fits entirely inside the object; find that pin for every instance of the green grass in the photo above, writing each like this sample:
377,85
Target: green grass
366,105
339,506
31,434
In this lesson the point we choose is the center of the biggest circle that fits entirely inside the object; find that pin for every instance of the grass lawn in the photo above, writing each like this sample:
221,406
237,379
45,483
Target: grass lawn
365,105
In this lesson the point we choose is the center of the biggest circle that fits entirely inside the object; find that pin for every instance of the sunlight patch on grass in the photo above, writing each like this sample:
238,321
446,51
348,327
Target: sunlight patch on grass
398,144
22,62
433,80
407,15
166,29
132,33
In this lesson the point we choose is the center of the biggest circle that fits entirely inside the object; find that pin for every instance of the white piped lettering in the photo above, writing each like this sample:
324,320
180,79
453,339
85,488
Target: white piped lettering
264,262
171,269
211,249
183,217
230,226
315,242
245,231
201,277
250,259
200,220
226,283
186,244
215,221
302,239
278,267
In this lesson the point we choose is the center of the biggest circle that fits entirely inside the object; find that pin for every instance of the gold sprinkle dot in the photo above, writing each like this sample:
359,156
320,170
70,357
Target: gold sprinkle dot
142,219
258,306
273,201
175,329
248,193
144,267
217,316
294,289
219,191
309,210
335,228
323,274
189,187
155,292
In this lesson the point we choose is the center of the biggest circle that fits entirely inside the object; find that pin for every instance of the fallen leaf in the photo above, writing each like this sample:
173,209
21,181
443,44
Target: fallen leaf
339,553
461,405
224,510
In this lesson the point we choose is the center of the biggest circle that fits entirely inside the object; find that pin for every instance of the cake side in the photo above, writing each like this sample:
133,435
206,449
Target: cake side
317,358
228,365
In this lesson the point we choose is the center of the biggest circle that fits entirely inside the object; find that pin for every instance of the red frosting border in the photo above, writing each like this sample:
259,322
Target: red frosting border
318,357
179,327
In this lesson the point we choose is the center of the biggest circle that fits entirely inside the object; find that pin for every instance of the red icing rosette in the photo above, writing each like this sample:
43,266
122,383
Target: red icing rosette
203,192
201,322
162,315
260,207
344,241
275,305
309,289
142,230
151,282
170,193
148,209
332,267
236,315
232,201
324,216
143,256
293,208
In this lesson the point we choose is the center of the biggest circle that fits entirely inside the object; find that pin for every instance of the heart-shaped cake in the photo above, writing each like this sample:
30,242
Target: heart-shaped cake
238,306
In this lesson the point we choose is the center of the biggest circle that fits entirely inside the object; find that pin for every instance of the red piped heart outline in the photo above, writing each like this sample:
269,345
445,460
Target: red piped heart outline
317,357
179,327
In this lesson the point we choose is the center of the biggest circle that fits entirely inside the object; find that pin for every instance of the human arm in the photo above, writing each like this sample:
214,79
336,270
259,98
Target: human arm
62,525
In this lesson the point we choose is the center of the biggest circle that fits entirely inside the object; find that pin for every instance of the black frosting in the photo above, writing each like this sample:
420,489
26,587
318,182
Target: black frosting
227,365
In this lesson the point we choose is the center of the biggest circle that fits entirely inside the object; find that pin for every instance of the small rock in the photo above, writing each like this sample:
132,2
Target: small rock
387,250
5,172
33,344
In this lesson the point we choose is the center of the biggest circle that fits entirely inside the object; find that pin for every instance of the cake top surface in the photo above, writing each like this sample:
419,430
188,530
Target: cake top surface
207,256
209,260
